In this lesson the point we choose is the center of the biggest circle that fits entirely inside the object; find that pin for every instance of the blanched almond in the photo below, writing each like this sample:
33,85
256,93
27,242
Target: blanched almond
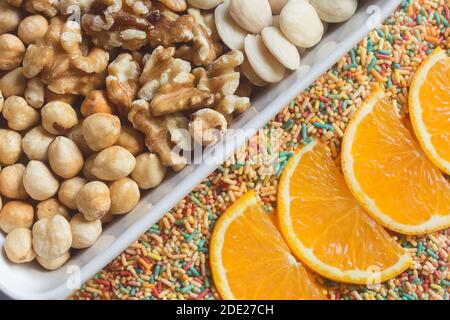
301,24
281,48
262,61
251,75
229,31
252,15
204,4
335,11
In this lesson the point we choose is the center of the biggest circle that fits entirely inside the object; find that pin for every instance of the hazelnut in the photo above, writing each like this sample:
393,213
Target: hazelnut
34,93
87,168
69,190
109,217
84,232
68,98
13,83
76,135
36,142
39,181
65,158
96,102
54,264
52,237
19,114
51,207
113,163
132,140
124,195
18,246
94,200
149,171
11,185
12,51
58,117
32,29
16,214
10,146
9,17
101,130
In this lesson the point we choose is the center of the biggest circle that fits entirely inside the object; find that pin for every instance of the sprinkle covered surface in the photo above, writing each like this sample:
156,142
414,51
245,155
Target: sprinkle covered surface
170,261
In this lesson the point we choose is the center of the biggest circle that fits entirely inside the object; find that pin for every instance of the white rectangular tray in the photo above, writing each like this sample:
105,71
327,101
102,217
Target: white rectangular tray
29,281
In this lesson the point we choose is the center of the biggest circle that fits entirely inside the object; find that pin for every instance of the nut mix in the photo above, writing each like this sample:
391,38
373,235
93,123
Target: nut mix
99,97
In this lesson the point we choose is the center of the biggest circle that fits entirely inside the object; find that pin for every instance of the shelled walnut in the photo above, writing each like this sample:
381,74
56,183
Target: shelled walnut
61,63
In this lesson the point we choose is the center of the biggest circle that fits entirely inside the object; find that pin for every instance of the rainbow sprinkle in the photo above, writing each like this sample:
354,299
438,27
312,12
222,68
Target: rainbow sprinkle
170,261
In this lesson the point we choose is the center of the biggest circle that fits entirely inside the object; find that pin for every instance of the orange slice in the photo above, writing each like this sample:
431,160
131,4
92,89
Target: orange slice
250,260
429,106
388,172
327,229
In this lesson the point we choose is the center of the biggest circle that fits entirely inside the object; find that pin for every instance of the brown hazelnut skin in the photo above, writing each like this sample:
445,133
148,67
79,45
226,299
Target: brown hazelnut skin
84,233
16,214
132,140
32,29
11,184
9,17
53,264
58,117
10,146
18,246
49,208
94,200
52,237
96,102
65,159
101,130
124,196
13,83
12,51
113,163
39,181
68,191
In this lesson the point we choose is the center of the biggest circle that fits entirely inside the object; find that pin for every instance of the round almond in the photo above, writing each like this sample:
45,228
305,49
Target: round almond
252,15
301,24
262,61
281,48
229,31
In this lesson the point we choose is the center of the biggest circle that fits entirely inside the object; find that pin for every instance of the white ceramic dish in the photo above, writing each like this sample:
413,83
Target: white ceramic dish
29,281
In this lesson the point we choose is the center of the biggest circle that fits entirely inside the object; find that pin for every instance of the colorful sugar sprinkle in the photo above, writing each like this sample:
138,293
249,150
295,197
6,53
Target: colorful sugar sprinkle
170,261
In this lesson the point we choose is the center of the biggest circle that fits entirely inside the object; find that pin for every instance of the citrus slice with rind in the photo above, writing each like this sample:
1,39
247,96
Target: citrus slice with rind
251,261
327,229
389,174
429,107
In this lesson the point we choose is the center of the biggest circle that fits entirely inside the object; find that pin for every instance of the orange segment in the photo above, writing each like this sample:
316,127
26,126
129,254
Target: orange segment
250,260
429,105
327,229
389,174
